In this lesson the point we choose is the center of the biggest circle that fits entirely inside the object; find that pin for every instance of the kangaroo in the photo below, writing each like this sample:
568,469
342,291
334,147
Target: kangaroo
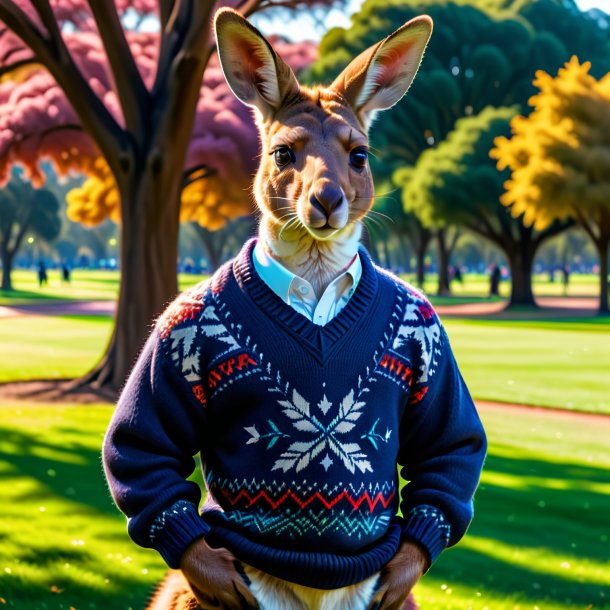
313,188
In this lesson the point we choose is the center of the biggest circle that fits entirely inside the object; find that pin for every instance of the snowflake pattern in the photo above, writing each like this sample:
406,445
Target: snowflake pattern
328,438
421,325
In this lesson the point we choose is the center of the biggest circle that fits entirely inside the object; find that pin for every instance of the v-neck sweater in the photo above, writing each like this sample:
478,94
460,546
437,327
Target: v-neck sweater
300,429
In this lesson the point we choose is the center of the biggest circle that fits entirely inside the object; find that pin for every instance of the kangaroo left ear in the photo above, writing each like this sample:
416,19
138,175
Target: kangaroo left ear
379,77
256,74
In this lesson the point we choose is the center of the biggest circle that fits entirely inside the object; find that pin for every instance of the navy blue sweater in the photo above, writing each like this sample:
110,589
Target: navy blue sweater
300,429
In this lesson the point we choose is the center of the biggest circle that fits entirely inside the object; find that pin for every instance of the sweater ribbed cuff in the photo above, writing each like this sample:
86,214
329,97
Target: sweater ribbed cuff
174,529
428,527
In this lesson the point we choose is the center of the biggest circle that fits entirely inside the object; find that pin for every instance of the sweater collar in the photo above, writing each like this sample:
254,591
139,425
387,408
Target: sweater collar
320,339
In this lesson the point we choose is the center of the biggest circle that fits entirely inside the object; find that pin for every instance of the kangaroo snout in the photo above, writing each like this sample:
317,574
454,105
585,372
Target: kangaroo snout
328,207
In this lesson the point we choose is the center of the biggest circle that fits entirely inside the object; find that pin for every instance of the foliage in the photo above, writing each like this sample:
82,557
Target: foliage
456,182
560,157
560,154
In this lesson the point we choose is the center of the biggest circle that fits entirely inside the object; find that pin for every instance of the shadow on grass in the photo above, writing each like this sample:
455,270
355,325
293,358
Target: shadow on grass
537,535
72,472
9,298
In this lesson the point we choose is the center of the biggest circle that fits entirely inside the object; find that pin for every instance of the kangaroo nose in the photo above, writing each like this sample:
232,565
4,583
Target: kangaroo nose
328,206
326,197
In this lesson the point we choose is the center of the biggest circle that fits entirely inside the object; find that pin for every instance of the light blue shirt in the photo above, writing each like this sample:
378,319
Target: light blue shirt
299,293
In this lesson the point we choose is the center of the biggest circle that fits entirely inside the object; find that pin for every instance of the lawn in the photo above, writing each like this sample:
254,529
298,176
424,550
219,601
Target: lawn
85,285
99,285
548,363
539,540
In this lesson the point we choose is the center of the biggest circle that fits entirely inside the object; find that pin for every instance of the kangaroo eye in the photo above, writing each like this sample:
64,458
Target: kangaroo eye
358,157
283,156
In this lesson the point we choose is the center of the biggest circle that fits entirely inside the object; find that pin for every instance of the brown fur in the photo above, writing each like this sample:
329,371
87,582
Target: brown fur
173,593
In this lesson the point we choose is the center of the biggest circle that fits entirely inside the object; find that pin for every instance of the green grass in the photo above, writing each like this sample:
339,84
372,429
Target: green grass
476,286
51,347
86,285
62,543
100,285
539,539
547,363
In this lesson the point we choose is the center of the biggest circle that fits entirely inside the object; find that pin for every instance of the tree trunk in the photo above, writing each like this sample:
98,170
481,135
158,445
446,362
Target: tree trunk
444,256
7,265
521,261
213,249
602,250
148,257
420,262
386,255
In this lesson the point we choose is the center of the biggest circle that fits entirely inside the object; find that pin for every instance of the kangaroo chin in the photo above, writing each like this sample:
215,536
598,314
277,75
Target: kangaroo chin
319,261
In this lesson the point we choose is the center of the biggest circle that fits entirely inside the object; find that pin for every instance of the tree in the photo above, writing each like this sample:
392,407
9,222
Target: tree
457,183
132,100
24,209
559,157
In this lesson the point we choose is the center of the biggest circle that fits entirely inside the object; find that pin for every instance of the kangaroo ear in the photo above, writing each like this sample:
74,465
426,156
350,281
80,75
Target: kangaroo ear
381,75
255,72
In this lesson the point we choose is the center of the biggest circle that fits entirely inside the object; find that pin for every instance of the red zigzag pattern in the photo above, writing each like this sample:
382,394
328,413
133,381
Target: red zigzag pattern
303,503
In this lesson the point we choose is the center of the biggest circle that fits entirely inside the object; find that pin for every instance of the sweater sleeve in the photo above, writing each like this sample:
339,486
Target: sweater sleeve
442,449
148,454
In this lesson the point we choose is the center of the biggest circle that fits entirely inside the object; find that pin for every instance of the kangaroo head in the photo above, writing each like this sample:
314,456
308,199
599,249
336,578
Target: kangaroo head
314,183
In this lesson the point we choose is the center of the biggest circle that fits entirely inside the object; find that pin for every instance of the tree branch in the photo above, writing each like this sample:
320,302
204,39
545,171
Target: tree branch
199,172
172,38
45,12
131,91
51,51
19,64
165,10
180,84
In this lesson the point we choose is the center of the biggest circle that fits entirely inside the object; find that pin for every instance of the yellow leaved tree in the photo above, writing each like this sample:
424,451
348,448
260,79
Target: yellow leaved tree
560,158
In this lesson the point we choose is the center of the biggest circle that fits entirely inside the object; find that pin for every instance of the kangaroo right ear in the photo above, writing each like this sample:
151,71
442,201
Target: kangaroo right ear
381,75
255,72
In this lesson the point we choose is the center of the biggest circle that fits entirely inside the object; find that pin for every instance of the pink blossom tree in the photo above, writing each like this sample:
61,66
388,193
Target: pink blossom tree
77,84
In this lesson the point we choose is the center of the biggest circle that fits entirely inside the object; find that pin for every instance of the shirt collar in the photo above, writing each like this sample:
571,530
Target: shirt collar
281,280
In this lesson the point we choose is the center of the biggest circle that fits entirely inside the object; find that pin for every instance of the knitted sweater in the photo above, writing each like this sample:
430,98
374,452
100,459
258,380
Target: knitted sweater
300,430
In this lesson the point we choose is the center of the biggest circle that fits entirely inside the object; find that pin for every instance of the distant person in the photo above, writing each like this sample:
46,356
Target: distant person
65,274
566,278
494,281
42,274
551,275
457,274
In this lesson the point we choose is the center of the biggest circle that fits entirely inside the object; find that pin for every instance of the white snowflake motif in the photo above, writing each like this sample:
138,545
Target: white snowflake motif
418,326
184,351
326,437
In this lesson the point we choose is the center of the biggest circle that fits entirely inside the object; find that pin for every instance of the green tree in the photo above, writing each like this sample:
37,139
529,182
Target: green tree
23,210
458,184
560,158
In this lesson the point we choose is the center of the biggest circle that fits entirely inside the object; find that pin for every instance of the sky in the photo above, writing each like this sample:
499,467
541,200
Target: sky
304,28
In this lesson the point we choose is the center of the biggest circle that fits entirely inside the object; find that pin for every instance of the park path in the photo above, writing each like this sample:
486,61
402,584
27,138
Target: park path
550,307
552,413
59,308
